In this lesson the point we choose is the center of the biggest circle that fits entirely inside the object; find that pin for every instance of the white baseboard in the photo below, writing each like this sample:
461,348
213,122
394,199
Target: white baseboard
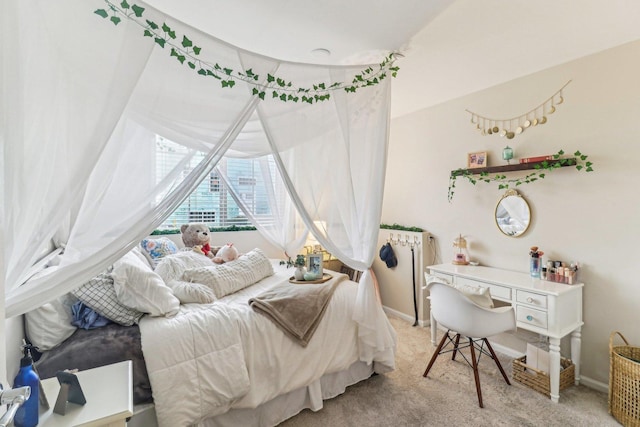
404,316
506,350
596,385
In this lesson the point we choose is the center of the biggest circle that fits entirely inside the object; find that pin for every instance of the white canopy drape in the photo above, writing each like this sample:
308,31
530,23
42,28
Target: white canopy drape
83,103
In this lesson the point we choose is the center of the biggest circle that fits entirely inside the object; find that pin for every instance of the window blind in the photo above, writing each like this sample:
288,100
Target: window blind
212,202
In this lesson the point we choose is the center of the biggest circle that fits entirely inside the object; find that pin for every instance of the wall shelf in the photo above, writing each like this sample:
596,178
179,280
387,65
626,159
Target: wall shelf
513,167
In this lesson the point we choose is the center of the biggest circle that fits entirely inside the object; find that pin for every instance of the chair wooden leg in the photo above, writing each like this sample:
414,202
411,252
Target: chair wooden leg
436,353
455,347
495,358
475,371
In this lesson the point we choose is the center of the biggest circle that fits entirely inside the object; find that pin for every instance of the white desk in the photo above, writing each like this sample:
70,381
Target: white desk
548,308
109,393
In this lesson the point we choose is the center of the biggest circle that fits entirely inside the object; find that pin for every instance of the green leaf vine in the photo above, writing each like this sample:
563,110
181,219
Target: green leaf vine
187,53
395,226
540,171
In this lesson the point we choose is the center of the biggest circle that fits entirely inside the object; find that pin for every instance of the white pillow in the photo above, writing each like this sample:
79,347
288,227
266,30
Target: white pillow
137,251
232,276
478,294
50,324
138,287
171,269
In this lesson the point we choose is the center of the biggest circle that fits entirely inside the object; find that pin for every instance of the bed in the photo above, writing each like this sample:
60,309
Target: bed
224,363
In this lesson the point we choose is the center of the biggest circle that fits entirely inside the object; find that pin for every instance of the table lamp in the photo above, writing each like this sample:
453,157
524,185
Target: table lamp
460,253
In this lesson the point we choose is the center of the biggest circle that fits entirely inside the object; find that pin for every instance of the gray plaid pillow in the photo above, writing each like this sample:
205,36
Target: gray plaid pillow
100,295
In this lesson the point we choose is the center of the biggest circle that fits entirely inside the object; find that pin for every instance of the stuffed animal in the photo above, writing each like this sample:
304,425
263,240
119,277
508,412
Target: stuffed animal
226,253
195,235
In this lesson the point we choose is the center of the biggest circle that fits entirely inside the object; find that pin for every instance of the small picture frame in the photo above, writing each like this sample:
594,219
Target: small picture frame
477,160
70,391
314,265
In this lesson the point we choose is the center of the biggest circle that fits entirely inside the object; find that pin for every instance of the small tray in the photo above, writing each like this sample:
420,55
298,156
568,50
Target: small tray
325,277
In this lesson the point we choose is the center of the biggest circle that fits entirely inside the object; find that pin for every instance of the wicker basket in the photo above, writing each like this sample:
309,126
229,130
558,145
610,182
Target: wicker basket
539,380
624,382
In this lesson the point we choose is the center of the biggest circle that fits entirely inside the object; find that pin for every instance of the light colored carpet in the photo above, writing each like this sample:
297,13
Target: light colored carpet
448,396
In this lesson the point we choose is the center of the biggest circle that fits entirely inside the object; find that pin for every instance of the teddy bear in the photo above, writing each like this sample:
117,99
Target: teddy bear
195,235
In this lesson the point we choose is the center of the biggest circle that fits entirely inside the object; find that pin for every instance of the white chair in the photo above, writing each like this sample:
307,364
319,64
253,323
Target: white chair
462,317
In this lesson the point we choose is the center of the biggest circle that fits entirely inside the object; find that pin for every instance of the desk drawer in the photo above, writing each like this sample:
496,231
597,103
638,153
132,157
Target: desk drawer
529,298
531,316
497,291
446,278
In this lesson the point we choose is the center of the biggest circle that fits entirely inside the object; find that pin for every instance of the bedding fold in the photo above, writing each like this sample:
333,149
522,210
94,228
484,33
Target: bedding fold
296,309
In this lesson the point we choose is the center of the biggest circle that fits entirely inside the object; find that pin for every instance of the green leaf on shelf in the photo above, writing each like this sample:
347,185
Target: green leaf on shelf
101,12
124,4
186,42
537,174
115,20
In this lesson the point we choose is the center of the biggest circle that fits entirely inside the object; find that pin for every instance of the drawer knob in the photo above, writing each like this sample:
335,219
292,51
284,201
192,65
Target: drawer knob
529,300
529,318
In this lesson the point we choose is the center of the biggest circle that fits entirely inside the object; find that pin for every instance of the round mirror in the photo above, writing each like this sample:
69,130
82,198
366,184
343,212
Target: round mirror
513,215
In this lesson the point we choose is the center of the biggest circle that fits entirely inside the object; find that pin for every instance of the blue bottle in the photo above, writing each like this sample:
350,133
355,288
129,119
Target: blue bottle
27,413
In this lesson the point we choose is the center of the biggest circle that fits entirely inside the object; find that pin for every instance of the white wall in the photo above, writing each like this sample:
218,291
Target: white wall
396,284
593,218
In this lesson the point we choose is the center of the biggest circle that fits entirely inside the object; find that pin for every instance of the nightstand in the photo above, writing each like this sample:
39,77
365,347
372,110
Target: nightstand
337,265
333,264
109,393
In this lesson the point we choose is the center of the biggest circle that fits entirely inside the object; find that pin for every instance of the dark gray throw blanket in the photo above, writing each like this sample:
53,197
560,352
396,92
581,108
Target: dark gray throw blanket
297,309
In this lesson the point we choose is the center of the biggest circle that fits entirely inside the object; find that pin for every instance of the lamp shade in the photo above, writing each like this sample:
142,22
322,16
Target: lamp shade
460,253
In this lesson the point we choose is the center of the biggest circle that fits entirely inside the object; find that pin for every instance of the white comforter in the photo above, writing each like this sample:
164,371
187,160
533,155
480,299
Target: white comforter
210,358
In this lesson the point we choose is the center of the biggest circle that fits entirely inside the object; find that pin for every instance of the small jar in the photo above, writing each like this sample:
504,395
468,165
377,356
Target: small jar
507,154
543,274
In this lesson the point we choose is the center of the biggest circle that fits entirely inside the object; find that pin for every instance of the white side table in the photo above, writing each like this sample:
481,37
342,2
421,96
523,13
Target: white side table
109,393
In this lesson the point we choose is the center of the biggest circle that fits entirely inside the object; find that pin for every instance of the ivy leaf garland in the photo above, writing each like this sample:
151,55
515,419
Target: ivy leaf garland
540,170
186,52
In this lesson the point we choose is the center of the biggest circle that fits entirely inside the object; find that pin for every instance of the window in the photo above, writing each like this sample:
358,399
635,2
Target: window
214,182
245,180
212,202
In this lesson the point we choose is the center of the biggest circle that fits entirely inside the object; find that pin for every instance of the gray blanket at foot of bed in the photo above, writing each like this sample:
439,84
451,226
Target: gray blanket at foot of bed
87,349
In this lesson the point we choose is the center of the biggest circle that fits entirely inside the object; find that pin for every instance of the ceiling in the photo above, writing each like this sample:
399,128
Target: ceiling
451,47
